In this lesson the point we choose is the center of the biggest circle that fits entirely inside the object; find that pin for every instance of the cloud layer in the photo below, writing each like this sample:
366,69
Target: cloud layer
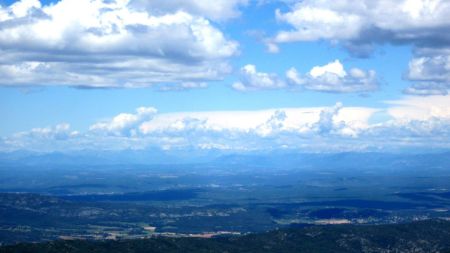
412,122
99,43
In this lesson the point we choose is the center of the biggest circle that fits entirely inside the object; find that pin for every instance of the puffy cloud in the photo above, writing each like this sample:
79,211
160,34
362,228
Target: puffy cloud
251,79
99,43
44,139
332,77
22,8
273,125
59,132
340,121
326,123
420,22
312,21
334,68
430,72
125,124
361,26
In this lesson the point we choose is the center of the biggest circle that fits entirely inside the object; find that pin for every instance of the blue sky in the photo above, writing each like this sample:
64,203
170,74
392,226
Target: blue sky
318,73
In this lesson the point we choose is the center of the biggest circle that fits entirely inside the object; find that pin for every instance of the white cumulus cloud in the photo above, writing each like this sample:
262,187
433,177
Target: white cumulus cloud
332,77
359,26
430,72
365,22
99,43
125,123
251,79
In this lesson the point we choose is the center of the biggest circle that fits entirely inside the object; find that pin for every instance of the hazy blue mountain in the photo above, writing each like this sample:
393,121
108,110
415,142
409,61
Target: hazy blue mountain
275,159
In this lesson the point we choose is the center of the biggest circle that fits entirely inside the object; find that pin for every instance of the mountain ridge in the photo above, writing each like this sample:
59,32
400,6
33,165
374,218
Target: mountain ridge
422,236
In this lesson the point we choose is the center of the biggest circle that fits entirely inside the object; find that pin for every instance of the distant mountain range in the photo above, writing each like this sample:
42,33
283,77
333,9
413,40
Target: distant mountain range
273,159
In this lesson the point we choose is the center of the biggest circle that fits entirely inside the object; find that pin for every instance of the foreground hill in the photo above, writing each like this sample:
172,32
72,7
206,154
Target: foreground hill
424,236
